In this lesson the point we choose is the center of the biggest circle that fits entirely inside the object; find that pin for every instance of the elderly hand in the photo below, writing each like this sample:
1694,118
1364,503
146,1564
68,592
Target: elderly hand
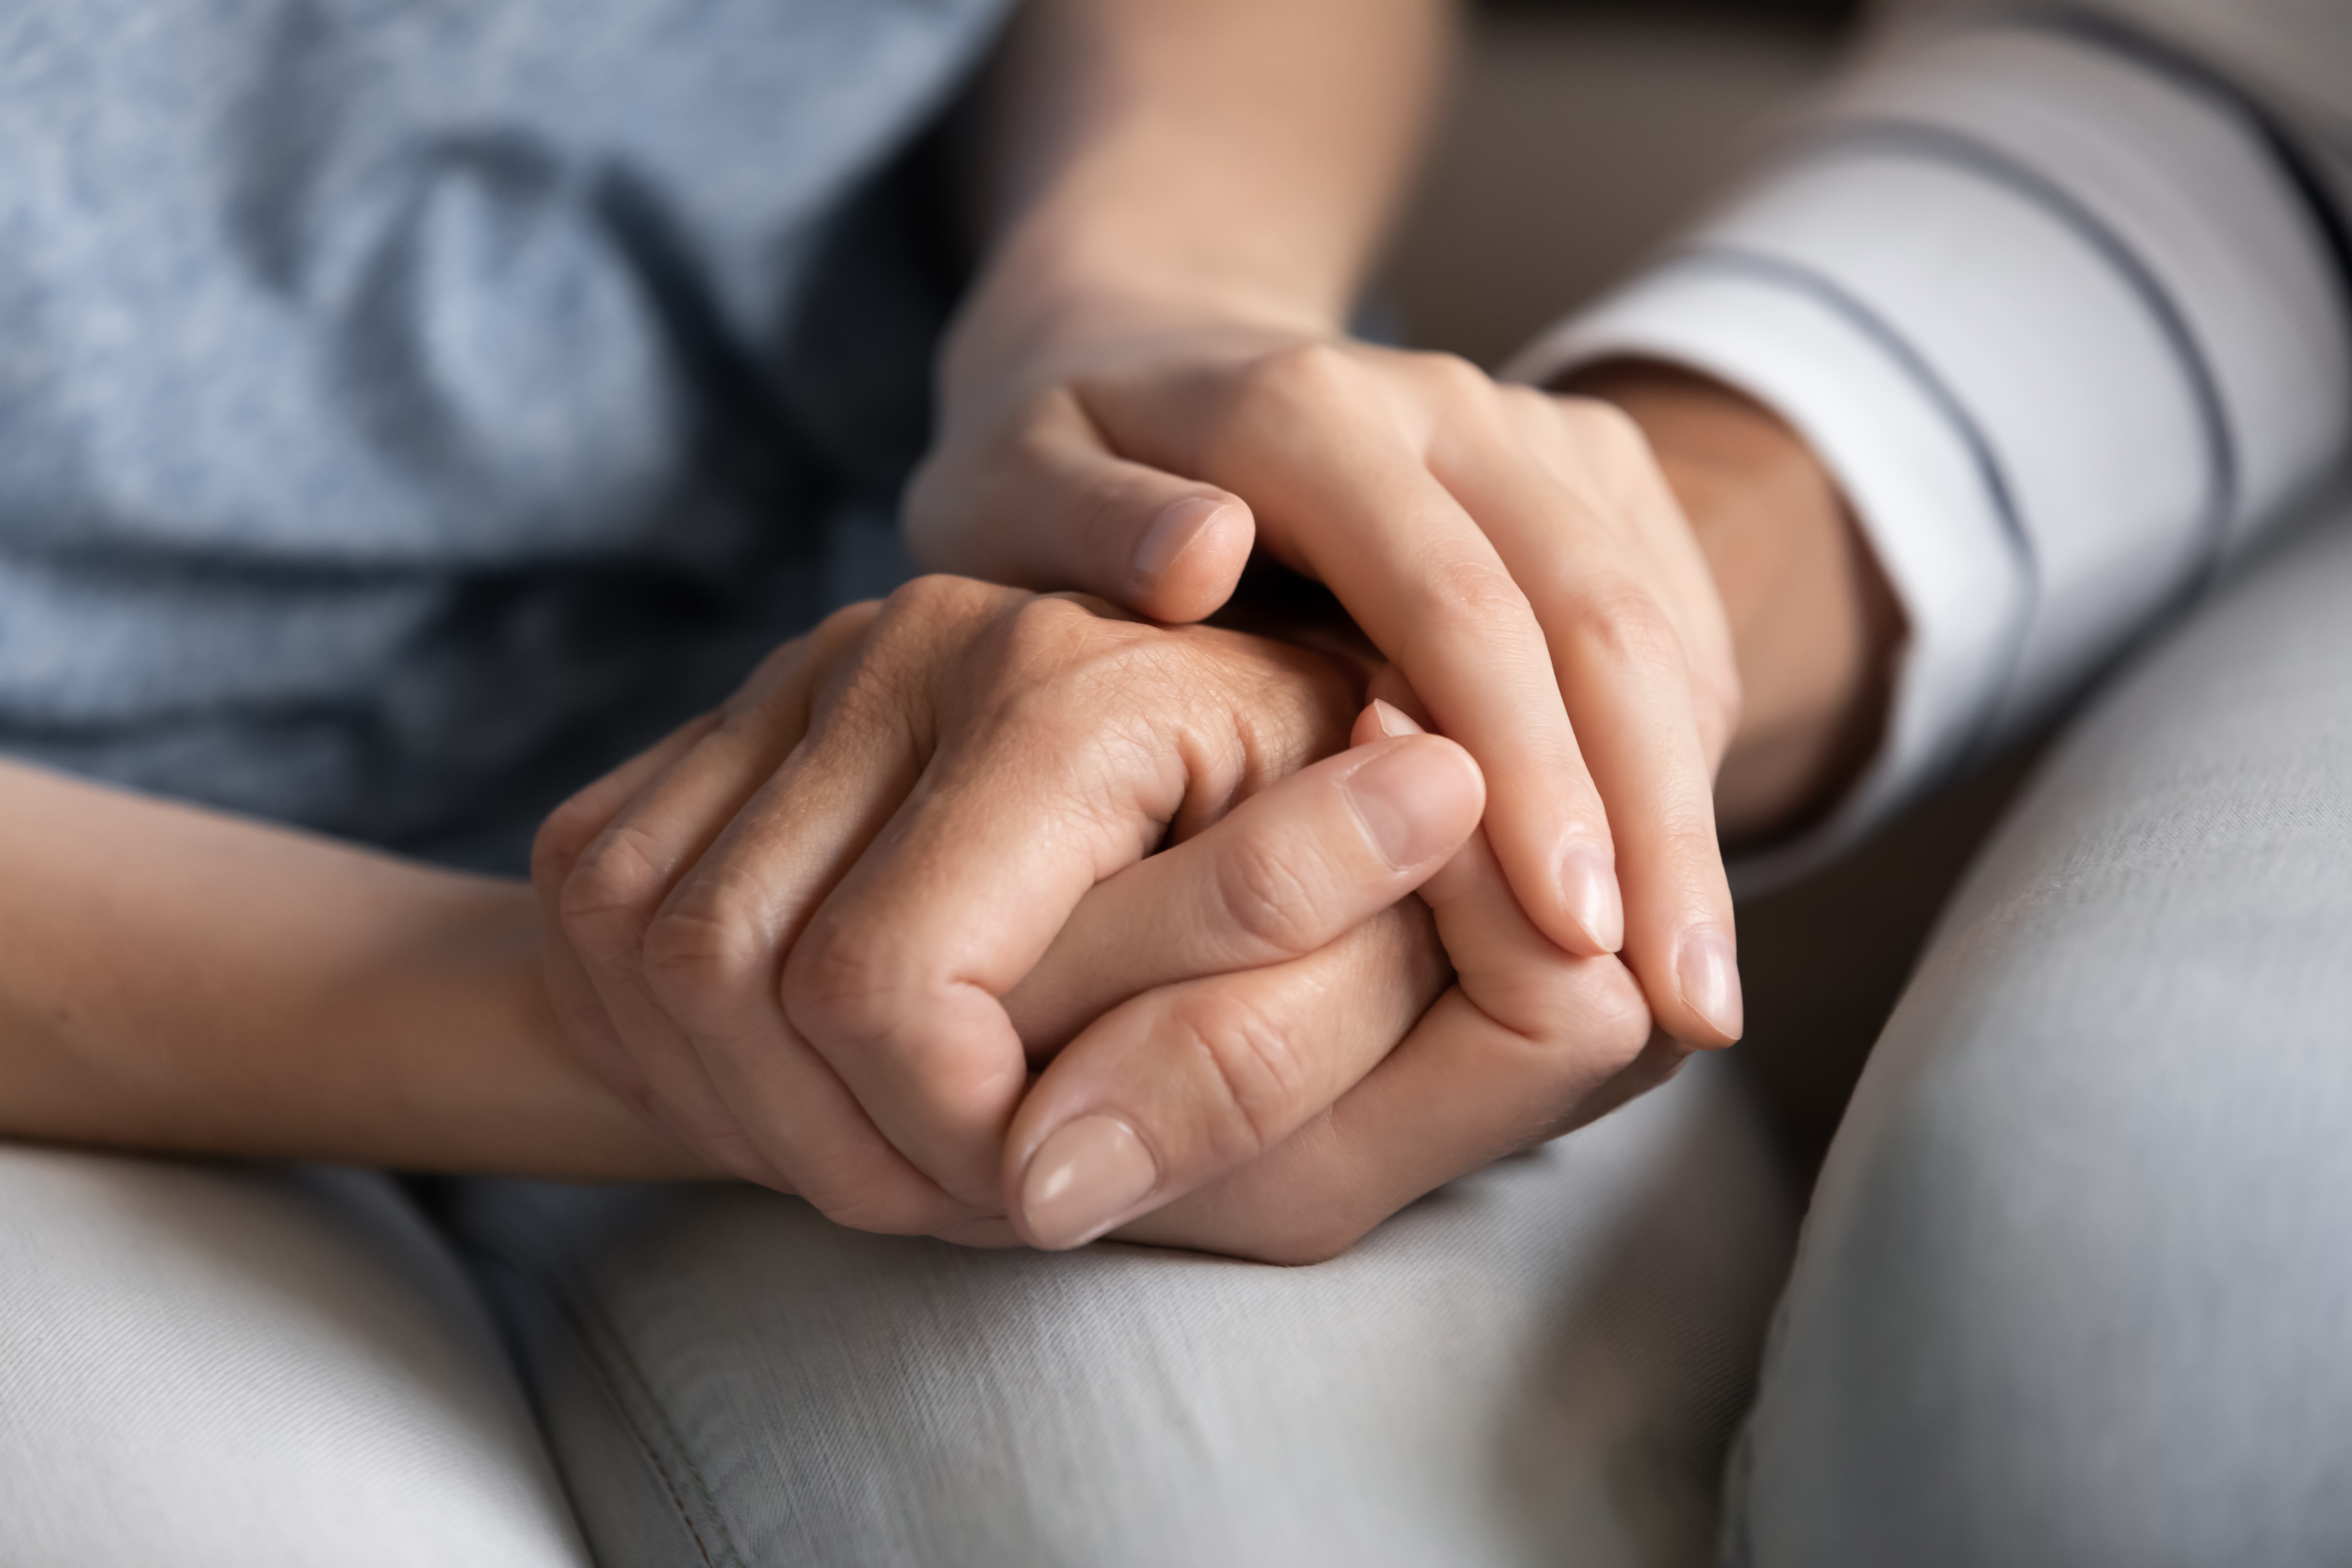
819,936
1516,555
1528,1043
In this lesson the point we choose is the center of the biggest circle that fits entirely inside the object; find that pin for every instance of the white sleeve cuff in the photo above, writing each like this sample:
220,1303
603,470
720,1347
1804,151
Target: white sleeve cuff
2062,328
1931,510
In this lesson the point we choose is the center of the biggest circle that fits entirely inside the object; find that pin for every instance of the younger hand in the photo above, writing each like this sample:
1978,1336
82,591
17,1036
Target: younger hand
1516,555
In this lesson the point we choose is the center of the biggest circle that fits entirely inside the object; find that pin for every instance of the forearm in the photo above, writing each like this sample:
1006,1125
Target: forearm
175,980
1234,158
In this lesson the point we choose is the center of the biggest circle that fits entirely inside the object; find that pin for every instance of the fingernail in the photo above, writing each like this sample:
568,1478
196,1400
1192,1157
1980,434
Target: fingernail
1399,797
1588,887
1086,1175
1170,534
1710,980
1394,720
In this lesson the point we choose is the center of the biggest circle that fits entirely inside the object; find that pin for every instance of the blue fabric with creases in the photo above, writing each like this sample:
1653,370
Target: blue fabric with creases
405,405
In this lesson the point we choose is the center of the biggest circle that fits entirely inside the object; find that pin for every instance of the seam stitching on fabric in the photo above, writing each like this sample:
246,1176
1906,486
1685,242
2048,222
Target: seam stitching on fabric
1976,156
590,1328
587,1320
2159,56
1843,304
646,1444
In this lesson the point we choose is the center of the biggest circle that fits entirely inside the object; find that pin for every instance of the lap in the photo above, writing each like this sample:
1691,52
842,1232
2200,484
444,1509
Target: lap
204,1364
2076,1283
1539,1363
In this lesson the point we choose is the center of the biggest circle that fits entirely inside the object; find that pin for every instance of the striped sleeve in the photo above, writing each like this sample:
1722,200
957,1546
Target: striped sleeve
2065,314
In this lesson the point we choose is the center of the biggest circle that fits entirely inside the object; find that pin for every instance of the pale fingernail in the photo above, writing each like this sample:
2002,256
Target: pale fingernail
1399,797
1170,534
1394,720
1710,981
1085,1175
1588,889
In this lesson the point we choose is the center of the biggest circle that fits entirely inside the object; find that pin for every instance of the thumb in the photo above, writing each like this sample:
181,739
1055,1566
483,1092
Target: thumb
1048,505
1181,1084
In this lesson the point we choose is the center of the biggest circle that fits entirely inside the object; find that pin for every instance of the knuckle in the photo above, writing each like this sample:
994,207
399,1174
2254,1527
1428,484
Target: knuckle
1278,388
1253,431
611,895
838,630
1525,402
1528,415
1045,633
1059,668
698,955
563,839
1621,625
1253,1067
1268,892
911,624
1303,371
1454,378
935,596
1605,428
1616,453
1468,593
839,986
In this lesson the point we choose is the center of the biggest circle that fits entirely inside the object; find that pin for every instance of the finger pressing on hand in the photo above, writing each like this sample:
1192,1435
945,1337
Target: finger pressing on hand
1530,1042
1186,1083
1341,487
1188,1080
1279,877
1589,563
1060,510
1078,740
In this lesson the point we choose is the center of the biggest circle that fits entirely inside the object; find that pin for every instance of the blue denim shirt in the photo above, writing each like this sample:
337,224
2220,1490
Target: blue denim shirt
408,406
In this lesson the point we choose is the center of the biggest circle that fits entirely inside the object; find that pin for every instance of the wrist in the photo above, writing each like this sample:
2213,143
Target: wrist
176,978
1815,625
1214,161
1049,304
451,1008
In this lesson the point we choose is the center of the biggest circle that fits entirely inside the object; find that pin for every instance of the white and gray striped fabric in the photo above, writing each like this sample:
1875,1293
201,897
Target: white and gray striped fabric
2059,294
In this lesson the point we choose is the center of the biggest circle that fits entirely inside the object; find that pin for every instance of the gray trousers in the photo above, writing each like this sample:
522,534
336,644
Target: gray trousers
2076,1286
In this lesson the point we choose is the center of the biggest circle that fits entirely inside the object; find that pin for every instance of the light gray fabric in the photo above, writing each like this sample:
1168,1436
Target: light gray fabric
2076,1285
209,1367
1537,1364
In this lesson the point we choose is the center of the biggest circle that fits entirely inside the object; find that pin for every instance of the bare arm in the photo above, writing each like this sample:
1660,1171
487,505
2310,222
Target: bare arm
1195,161
1152,378
172,978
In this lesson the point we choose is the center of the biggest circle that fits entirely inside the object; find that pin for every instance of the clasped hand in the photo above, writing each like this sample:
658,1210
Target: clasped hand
1004,918
1518,556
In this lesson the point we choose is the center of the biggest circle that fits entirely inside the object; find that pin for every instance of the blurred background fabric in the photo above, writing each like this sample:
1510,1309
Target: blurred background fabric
407,411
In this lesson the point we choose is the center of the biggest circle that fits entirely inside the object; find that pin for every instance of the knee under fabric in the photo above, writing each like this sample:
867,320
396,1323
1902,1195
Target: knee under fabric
2076,1283
1539,1363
